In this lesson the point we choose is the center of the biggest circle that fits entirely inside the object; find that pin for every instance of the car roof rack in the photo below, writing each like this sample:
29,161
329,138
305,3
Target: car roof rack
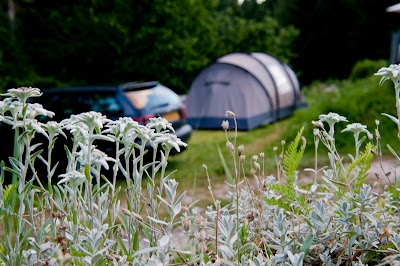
136,85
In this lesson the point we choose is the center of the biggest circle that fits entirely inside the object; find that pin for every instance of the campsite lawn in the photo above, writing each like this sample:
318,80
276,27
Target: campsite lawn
358,101
203,149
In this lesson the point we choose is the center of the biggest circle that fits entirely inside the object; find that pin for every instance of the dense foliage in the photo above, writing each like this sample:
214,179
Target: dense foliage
99,42
51,43
359,100
334,35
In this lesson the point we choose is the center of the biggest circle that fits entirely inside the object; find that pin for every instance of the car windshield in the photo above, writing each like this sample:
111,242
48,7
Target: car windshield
149,100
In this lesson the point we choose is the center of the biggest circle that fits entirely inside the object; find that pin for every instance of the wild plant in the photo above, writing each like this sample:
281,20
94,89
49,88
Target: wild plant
268,217
337,220
77,218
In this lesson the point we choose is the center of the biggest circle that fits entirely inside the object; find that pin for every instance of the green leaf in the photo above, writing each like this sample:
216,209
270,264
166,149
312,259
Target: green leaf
392,151
9,192
226,168
136,240
292,157
307,244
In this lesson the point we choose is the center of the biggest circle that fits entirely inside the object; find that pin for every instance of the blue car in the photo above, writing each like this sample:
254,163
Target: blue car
138,100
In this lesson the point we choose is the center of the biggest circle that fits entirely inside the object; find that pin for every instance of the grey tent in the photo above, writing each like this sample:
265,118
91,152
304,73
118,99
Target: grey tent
257,87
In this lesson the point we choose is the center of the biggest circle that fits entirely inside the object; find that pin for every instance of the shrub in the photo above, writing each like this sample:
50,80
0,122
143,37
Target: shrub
365,68
362,100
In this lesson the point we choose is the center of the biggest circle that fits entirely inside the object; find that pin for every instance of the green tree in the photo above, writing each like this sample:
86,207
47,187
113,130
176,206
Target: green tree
114,41
334,35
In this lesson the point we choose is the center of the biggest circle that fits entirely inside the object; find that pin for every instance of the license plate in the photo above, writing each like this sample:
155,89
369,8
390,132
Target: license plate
171,116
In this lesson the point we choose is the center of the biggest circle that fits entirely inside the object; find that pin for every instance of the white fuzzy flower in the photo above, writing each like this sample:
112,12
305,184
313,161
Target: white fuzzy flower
145,133
73,177
160,123
79,130
229,114
225,125
391,72
97,157
23,93
170,141
94,120
332,118
356,128
35,109
54,129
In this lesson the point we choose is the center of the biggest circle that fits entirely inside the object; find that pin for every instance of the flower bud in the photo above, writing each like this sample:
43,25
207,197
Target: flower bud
225,125
240,150
304,142
229,114
186,224
317,123
230,147
378,136
316,132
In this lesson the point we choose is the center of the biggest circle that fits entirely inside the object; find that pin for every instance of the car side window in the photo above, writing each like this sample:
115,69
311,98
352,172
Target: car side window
65,104
106,104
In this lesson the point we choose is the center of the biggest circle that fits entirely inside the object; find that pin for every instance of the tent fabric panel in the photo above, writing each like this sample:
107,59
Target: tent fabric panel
248,123
257,87
299,96
224,87
286,111
286,91
256,68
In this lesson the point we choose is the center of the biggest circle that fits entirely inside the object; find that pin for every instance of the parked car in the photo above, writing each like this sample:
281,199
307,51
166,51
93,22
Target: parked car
138,100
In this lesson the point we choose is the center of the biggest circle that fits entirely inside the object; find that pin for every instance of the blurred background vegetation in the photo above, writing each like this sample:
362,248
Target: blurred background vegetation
46,43
335,47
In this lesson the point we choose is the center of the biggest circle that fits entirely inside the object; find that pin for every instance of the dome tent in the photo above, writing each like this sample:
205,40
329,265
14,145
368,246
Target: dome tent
257,87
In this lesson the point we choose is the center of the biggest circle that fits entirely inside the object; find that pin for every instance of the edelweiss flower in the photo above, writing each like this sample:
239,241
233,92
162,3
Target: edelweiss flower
94,120
96,156
229,114
54,129
332,118
15,108
23,93
392,72
73,177
145,133
170,141
160,123
35,109
121,127
79,130
31,125
225,125
4,105
356,128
